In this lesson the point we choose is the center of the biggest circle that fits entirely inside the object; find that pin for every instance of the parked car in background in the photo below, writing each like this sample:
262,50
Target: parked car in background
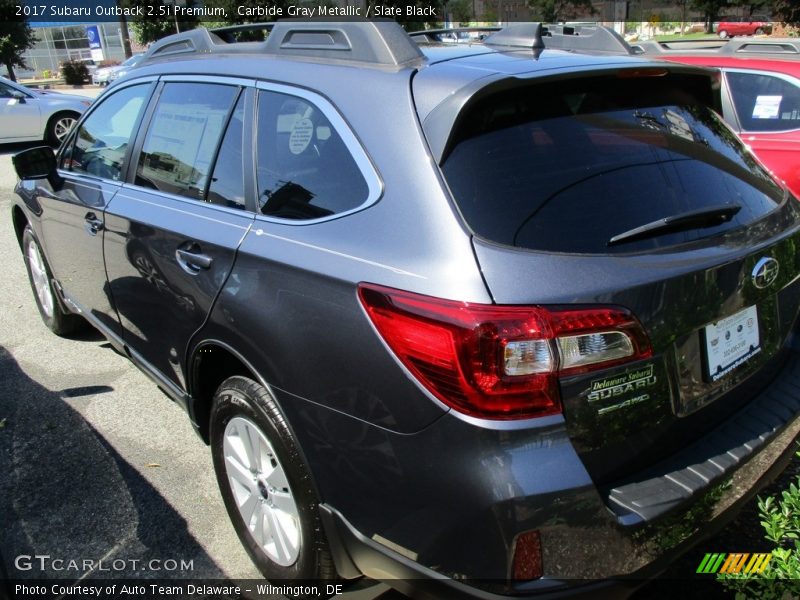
760,96
726,29
122,69
100,76
106,75
510,341
27,114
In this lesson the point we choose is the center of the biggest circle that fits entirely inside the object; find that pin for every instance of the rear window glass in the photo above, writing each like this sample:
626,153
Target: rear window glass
569,165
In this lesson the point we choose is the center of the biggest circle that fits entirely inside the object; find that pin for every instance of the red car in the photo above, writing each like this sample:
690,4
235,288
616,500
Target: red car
726,29
761,102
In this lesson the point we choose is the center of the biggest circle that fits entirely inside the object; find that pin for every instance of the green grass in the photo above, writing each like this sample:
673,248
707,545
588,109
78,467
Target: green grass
686,36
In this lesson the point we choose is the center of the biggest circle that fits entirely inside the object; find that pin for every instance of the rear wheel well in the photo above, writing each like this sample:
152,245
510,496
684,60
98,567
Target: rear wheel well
20,221
211,365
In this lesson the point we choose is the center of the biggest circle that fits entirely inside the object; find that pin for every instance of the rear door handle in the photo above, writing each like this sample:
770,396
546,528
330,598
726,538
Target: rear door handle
192,261
93,224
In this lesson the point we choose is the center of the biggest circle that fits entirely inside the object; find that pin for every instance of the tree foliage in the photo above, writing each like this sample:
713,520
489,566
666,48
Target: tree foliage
711,9
553,11
460,11
16,36
149,29
787,11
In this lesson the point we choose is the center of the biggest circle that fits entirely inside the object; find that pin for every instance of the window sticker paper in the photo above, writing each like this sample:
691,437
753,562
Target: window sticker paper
767,107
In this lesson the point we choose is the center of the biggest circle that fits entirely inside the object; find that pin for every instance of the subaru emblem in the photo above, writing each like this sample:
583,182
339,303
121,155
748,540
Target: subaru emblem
765,272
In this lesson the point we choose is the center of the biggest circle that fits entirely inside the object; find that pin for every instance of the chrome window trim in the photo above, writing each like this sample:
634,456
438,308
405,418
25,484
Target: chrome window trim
240,81
787,78
351,142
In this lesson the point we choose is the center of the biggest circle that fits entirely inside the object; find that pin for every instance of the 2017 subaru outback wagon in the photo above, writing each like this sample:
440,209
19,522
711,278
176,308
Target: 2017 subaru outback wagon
490,318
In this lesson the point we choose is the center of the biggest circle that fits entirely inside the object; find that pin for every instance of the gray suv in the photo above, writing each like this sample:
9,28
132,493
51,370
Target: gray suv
487,318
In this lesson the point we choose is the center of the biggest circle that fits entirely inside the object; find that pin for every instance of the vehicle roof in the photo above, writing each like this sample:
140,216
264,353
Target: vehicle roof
786,66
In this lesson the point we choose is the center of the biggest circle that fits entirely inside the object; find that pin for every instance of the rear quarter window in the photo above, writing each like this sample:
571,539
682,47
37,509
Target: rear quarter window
765,102
566,166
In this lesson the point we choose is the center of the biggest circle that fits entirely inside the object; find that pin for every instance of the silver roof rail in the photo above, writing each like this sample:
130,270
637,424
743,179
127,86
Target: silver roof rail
371,43
754,47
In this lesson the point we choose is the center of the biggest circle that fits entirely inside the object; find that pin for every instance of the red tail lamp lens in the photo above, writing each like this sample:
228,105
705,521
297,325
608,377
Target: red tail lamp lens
499,362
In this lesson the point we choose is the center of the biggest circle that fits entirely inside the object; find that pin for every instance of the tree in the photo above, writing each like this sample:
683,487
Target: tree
753,7
16,36
711,10
460,10
159,20
553,11
788,11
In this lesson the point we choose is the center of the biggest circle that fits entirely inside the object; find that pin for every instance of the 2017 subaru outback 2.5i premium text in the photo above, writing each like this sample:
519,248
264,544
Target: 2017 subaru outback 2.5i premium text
489,325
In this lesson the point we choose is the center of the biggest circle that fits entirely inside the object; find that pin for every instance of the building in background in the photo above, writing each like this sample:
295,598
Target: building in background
58,43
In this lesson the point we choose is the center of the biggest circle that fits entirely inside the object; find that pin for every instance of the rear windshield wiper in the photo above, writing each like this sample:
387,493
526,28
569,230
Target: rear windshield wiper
706,217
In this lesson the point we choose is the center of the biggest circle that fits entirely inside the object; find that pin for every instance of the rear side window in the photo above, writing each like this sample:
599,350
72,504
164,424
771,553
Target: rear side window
102,141
305,170
226,187
183,137
569,165
764,102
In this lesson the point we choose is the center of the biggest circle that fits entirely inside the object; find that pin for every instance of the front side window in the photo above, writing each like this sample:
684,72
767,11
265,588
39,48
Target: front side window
305,170
6,91
765,102
102,141
183,137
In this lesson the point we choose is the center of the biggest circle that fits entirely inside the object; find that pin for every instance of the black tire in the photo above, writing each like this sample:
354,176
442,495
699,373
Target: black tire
59,126
248,402
57,319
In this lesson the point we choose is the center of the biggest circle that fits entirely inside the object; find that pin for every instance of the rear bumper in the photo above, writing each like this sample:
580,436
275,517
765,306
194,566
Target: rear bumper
586,547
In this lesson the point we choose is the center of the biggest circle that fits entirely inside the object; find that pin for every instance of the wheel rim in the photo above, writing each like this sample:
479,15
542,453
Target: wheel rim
261,491
62,127
41,282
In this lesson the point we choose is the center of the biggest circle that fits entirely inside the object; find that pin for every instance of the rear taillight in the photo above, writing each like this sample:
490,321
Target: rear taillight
500,362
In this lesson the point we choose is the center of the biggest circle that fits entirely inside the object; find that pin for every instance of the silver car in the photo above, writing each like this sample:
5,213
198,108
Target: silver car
106,75
29,115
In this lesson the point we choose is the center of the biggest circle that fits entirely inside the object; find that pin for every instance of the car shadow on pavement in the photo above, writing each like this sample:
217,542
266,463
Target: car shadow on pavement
65,492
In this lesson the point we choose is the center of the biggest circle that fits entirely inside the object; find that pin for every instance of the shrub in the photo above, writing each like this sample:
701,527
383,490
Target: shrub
780,519
74,72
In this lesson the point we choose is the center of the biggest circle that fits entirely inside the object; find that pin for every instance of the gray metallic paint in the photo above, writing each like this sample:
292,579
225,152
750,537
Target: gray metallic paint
454,491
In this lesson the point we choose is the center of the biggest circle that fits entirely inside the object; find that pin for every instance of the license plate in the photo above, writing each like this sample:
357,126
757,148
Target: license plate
732,341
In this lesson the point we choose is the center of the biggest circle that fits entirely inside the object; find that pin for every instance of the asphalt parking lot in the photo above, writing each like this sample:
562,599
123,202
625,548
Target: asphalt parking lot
97,465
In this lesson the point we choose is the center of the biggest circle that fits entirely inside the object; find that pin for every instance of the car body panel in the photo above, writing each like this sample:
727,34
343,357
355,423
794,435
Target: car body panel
144,231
